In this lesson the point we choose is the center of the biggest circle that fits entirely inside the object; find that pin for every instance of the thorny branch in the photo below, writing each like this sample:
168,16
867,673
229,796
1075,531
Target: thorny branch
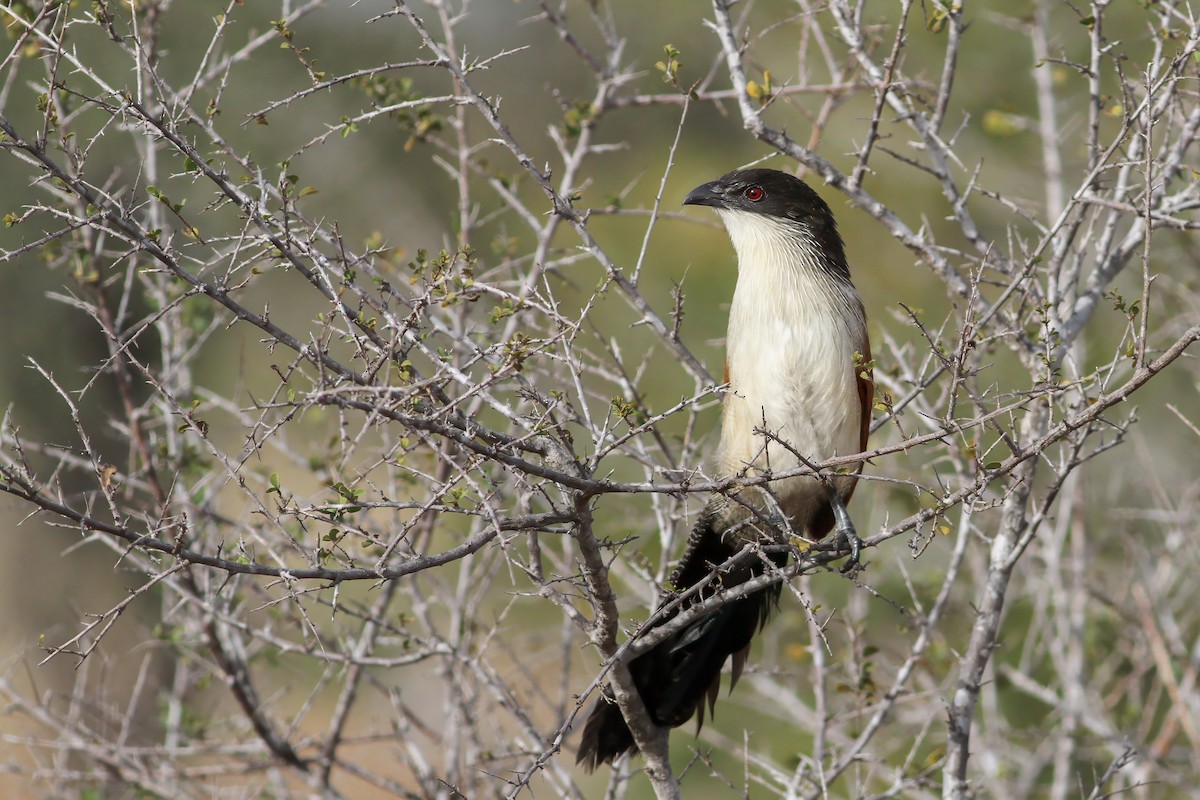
447,456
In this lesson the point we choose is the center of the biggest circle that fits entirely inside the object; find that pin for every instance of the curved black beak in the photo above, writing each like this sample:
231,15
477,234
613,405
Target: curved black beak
706,194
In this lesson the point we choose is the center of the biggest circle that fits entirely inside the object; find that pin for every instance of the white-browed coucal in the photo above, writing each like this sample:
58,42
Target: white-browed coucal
800,391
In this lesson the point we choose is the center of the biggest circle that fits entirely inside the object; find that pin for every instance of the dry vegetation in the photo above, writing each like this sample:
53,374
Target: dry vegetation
380,511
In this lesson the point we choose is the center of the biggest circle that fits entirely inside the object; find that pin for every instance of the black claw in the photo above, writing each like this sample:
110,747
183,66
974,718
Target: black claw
847,536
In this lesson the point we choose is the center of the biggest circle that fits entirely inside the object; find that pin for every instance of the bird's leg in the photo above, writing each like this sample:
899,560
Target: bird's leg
846,535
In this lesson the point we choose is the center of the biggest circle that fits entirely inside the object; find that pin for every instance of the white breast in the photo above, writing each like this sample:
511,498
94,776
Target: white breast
793,331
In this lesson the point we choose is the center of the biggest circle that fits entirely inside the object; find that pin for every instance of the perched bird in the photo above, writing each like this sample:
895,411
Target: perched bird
800,391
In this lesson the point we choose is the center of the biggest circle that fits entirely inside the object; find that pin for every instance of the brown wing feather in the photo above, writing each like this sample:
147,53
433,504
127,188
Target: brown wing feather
866,393
866,399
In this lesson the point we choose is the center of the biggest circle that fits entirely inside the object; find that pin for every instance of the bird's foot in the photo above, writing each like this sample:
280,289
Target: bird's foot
846,536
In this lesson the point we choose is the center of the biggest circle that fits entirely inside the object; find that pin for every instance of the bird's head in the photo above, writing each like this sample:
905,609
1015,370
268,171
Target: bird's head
766,208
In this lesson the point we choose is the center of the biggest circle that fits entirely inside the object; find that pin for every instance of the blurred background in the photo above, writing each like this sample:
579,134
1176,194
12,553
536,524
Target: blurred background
382,184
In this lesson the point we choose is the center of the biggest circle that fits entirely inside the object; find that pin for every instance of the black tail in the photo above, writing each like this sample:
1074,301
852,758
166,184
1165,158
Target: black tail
676,676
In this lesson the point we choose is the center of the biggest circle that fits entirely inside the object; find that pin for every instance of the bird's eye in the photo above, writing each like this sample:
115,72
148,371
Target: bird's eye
754,193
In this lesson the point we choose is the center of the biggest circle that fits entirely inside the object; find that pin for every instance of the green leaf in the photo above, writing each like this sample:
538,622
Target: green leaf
1000,123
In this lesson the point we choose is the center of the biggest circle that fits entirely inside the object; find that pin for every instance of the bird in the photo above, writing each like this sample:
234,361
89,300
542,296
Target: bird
799,391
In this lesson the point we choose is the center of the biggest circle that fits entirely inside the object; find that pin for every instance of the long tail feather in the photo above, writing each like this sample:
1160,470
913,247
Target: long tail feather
680,674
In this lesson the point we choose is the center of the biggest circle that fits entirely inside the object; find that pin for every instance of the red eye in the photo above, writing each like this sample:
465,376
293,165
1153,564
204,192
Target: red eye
754,193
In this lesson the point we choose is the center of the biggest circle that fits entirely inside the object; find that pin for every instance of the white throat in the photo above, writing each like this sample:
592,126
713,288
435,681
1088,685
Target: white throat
794,327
